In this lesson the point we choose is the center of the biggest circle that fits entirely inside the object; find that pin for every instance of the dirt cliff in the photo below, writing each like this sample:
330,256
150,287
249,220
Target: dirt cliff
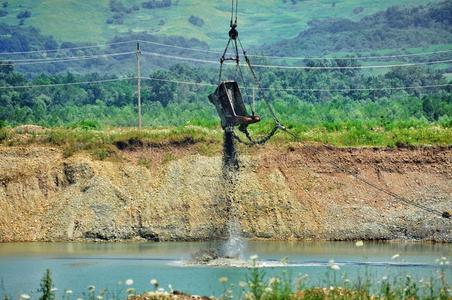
172,193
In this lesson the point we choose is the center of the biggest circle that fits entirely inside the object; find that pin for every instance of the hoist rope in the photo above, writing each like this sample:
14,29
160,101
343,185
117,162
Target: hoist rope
390,193
270,107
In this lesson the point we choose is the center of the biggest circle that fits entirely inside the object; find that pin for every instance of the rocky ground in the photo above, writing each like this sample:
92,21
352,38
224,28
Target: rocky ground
158,193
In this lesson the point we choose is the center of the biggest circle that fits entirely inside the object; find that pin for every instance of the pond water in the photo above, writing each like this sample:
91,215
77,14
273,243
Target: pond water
75,266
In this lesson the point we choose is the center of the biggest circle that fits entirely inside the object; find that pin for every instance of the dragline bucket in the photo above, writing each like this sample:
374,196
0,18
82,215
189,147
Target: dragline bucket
230,107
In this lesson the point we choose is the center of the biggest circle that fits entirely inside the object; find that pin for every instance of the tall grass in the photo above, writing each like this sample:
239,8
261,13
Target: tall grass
104,142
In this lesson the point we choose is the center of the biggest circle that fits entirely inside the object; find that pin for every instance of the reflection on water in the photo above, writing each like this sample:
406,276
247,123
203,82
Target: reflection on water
77,265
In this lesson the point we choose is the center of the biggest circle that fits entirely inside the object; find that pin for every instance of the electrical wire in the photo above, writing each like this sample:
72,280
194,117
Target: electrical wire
179,81
352,67
66,57
359,89
219,52
65,49
214,85
63,59
66,84
297,67
299,57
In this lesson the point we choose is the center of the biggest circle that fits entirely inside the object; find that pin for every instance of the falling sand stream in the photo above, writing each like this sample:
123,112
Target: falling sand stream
234,245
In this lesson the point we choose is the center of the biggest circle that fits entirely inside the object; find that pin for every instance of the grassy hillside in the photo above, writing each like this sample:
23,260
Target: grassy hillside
86,21
395,28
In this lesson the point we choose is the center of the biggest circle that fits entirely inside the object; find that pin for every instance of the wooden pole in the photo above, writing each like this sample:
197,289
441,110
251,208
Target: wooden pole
254,99
139,84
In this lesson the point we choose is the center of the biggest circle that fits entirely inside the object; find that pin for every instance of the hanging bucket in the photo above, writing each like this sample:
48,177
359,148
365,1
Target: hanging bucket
230,106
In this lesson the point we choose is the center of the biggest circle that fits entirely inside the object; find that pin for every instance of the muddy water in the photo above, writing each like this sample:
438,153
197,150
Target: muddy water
76,266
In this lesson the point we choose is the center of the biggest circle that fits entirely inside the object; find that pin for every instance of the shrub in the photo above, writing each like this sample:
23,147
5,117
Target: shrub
87,125
24,14
197,21
46,288
152,4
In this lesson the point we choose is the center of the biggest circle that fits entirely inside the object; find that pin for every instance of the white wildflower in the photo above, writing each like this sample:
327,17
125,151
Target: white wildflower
242,284
154,282
129,282
53,289
254,257
25,297
395,256
223,280
273,281
333,266
68,291
268,290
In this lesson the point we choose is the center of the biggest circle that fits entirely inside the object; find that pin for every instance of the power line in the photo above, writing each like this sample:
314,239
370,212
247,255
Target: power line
359,89
219,52
299,57
77,58
246,87
305,90
65,84
350,58
352,67
298,67
179,81
63,59
65,49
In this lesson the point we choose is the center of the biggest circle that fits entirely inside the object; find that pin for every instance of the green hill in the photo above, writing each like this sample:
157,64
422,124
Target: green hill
393,28
260,21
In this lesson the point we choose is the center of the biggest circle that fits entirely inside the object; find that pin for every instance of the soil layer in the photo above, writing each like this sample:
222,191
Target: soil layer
171,192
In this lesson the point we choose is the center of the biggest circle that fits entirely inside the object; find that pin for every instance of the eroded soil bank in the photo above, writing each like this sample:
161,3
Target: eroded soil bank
172,193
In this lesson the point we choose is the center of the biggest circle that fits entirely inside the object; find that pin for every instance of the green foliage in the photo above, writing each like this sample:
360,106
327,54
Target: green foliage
87,125
46,288
255,280
394,28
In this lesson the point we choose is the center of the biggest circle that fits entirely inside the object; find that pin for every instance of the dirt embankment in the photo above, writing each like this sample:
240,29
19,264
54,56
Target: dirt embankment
173,193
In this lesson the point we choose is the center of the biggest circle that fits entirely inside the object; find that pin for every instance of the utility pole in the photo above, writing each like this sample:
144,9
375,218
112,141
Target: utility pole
254,99
139,84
